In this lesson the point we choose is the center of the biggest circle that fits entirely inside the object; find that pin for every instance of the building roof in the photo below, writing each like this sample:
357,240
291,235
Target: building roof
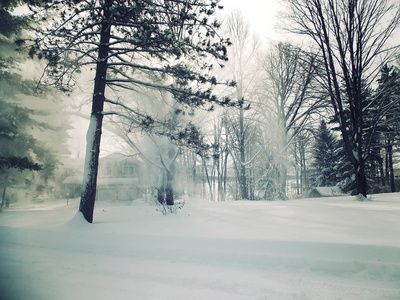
326,191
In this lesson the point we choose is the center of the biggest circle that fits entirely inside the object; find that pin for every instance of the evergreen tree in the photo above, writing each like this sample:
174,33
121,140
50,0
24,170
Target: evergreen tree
19,147
388,94
344,170
325,156
132,45
15,145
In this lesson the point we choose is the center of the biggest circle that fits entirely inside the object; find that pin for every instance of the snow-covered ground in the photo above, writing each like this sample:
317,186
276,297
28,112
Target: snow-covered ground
325,248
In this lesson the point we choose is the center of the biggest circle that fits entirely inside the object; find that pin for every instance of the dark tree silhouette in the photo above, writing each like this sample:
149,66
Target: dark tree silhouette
325,156
351,37
154,44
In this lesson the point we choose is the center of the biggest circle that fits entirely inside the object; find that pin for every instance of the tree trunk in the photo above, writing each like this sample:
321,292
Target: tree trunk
391,169
194,175
220,176
298,181
304,173
381,171
252,184
387,167
161,189
242,167
283,193
206,177
297,161
93,137
169,190
4,194
362,186
361,180
225,173
160,195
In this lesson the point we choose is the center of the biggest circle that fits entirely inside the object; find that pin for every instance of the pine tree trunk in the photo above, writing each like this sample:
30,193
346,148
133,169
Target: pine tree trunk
381,171
94,132
387,167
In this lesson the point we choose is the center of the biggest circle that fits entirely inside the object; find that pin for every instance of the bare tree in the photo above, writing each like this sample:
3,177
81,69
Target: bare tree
287,101
351,36
301,149
243,67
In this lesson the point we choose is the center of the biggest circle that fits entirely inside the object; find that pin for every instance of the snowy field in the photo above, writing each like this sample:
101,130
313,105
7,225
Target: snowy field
325,248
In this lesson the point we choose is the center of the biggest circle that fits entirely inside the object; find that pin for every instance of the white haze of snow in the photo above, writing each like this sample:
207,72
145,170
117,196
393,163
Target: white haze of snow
324,248
261,15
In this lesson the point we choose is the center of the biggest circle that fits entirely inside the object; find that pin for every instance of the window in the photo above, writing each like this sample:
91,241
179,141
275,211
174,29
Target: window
128,169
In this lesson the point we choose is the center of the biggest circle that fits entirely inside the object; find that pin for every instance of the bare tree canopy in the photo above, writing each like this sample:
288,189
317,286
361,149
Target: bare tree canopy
353,39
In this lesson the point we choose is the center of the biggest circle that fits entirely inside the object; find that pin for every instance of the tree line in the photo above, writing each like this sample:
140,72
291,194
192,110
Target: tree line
210,103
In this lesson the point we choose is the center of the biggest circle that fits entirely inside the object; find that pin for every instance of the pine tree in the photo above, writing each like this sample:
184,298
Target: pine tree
388,93
325,156
132,45
19,148
371,131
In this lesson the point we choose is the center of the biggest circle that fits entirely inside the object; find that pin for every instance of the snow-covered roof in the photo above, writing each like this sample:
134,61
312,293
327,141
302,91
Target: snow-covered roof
328,191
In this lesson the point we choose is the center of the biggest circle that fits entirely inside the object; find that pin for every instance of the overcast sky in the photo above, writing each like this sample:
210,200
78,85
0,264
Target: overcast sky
260,14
